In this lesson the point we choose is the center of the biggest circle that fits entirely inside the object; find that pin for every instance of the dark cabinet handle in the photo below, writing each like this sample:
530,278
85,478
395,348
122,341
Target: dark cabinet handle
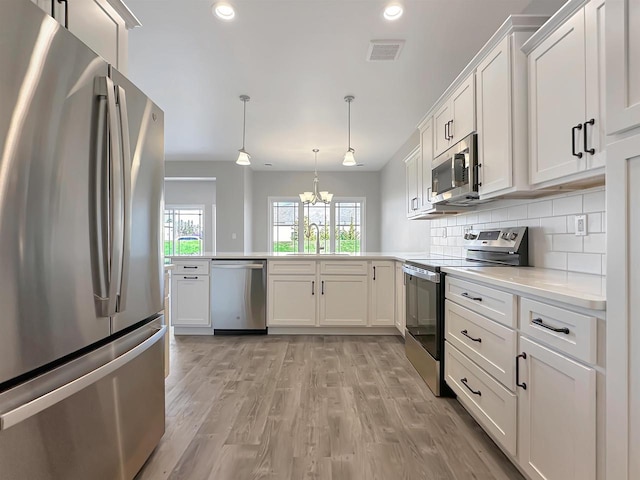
446,127
573,141
466,334
187,266
374,273
450,128
322,286
190,278
475,392
588,150
540,323
522,385
313,287
66,12
476,299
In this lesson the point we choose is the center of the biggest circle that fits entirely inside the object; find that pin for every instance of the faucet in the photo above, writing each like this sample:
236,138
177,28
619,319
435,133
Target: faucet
318,247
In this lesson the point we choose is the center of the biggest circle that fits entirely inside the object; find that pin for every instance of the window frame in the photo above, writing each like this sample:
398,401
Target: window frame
332,220
187,206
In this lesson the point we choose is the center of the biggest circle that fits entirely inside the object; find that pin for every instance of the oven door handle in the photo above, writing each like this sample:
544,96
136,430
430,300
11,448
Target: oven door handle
429,276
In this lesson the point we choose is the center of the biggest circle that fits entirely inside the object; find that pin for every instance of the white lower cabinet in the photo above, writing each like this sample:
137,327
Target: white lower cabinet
292,300
190,300
382,301
400,299
343,300
557,415
493,406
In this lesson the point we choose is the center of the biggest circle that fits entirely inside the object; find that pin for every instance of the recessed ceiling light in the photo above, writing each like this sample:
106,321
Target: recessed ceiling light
393,11
223,10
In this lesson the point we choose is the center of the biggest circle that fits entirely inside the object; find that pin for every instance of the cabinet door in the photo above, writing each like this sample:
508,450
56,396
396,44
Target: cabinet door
557,102
411,172
556,416
382,305
441,132
426,150
292,300
343,300
623,65
400,299
463,110
190,301
623,309
594,18
495,134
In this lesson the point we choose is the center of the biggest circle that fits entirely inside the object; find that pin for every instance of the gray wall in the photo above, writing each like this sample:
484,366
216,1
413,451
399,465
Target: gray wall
183,192
230,196
398,234
341,184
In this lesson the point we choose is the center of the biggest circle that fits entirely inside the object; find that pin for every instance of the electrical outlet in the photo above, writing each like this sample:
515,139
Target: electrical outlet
581,225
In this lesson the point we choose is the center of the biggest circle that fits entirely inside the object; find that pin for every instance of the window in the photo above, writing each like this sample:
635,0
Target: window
183,230
339,225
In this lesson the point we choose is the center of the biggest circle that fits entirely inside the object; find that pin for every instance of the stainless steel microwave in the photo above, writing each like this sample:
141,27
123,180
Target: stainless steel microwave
454,175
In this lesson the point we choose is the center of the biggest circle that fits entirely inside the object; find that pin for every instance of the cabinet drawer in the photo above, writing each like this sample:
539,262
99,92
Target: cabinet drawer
493,406
343,267
292,267
495,304
570,332
195,267
489,344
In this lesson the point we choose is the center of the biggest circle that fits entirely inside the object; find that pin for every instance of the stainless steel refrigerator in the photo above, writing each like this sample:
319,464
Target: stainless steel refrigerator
81,277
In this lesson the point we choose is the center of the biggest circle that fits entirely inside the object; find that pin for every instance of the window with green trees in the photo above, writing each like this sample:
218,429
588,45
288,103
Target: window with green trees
183,230
295,226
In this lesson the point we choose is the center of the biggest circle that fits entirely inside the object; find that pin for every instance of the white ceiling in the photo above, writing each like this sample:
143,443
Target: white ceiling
297,59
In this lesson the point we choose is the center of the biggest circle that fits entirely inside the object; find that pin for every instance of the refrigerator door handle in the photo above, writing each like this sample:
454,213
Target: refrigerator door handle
29,409
126,196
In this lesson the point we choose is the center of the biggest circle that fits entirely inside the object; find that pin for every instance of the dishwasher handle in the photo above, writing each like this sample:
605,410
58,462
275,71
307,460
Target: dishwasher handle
251,266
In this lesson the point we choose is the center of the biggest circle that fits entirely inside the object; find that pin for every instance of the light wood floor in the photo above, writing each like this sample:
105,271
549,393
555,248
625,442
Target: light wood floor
312,407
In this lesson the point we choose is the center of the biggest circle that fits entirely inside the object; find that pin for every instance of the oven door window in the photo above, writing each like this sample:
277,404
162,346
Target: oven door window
422,311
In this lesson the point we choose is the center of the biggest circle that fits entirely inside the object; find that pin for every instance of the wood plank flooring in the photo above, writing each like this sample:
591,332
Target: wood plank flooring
312,407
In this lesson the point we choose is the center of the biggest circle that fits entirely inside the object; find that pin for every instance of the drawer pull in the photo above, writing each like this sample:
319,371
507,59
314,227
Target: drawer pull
313,287
188,266
190,278
475,392
475,299
540,323
522,385
466,334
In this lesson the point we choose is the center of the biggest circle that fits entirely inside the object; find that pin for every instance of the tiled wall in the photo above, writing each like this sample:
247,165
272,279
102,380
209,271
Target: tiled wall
551,220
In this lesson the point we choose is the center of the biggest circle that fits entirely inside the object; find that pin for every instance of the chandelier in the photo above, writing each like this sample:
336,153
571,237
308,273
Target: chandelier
315,196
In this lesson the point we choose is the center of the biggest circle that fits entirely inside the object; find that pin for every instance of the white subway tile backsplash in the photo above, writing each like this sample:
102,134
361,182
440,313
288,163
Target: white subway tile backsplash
604,264
551,222
554,224
518,212
499,215
540,209
594,202
585,262
567,205
567,242
595,243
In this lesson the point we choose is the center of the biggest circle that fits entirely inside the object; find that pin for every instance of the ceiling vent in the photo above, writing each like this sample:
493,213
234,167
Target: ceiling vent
384,50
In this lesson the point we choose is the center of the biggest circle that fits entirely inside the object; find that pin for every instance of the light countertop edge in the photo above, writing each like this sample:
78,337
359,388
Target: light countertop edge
577,289
401,257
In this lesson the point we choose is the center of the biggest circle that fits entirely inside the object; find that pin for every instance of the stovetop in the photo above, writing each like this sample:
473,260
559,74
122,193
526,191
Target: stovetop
435,263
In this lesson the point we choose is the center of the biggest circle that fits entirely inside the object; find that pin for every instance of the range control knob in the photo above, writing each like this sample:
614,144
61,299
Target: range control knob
470,236
505,235
513,236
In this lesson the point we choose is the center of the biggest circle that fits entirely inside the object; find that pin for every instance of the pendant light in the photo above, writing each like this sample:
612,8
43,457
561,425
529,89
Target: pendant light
243,157
315,196
349,159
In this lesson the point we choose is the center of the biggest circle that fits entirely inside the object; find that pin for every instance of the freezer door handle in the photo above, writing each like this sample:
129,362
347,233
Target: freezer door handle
126,198
32,408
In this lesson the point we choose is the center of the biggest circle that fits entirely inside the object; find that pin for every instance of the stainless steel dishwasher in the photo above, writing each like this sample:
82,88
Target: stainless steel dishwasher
239,296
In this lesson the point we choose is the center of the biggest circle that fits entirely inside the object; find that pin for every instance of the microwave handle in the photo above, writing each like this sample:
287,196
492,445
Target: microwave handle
476,177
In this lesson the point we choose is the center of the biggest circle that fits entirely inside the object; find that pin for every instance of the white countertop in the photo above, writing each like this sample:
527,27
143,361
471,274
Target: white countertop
578,289
400,256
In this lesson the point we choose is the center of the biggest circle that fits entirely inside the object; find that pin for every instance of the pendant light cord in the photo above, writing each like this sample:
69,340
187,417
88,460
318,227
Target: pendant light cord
349,124
244,121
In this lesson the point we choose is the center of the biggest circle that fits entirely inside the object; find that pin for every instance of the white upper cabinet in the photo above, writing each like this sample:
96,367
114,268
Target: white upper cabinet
623,65
426,150
456,118
412,177
566,97
101,24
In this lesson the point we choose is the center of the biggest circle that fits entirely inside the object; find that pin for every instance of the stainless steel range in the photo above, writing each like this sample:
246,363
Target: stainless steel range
424,279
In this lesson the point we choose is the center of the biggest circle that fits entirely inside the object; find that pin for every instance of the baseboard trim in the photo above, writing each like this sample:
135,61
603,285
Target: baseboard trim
333,331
